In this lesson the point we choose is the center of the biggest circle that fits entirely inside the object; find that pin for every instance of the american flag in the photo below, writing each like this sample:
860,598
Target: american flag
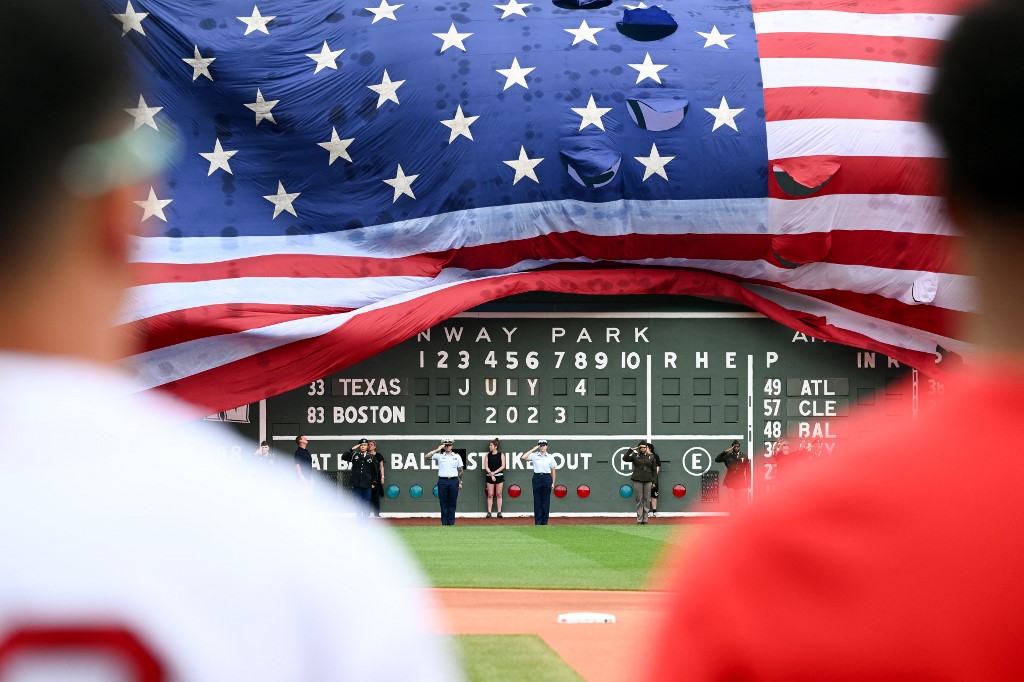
353,173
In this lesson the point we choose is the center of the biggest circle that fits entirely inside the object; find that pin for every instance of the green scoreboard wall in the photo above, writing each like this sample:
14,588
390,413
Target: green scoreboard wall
593,384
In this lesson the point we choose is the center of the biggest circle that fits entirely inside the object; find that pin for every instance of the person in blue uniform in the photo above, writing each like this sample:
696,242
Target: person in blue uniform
363,462
449,479
544,472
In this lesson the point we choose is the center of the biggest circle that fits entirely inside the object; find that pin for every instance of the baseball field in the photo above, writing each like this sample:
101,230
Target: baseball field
503,583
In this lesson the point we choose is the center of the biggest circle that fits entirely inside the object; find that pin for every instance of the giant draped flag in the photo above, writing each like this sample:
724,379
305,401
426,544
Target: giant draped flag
350,174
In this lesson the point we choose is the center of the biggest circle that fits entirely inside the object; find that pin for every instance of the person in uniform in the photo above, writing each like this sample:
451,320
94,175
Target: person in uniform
643,476
449,479
657,475
377,496
263,454
363,463
303,461
494,475
544,473
735,475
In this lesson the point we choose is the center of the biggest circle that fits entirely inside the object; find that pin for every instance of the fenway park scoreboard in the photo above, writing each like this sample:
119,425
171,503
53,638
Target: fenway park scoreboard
594,384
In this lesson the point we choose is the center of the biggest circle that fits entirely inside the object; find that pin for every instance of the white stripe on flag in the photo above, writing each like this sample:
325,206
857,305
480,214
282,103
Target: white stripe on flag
850,137
846,73
934,26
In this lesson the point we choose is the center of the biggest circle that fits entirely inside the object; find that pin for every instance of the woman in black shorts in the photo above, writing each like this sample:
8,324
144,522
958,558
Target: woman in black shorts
494,474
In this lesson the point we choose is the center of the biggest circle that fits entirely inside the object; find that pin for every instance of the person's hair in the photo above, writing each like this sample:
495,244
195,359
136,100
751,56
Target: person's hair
64,79
980,66
262,443
298,438
497,444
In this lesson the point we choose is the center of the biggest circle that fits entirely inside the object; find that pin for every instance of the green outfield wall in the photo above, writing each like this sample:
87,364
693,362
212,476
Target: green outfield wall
593,384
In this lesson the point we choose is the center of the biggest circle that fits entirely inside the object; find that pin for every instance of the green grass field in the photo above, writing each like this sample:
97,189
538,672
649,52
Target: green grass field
489,658
585,557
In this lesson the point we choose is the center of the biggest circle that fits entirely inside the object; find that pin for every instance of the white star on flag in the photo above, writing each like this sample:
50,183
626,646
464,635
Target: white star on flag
387,90
218,158
459,125
648,69
524,166
452,39
131,20
282,201
584,32
200,64
654,164
515,74
143,114
402,184
256,22
153,206
337,147
513,7
385,11
715,38
262,107
326,58
591,114
724,116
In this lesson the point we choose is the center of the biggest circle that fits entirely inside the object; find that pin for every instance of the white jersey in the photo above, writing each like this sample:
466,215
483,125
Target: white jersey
112,513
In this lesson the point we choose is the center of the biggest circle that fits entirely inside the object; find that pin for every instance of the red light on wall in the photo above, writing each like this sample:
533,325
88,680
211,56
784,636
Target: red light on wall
583,491
514,490
560,491
679,490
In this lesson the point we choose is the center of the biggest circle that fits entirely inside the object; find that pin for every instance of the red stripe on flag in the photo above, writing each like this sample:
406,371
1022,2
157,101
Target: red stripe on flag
899,49
873,175
180,326
789,104
282,369
898,251
299,265
856,247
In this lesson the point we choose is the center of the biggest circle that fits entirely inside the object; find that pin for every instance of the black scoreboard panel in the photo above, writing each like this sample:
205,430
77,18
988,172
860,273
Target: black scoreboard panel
593,384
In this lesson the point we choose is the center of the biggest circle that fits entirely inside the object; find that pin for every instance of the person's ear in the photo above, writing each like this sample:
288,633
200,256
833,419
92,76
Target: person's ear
118,221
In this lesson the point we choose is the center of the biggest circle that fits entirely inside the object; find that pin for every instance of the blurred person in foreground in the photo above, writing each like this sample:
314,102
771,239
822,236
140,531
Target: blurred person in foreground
852,572
126,551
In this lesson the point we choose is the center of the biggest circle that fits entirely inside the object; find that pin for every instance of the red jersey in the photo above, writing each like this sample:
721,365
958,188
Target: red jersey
904,558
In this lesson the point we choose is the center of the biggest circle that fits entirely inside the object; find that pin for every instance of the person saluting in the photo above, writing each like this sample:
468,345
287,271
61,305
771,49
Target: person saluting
449,479
543,480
